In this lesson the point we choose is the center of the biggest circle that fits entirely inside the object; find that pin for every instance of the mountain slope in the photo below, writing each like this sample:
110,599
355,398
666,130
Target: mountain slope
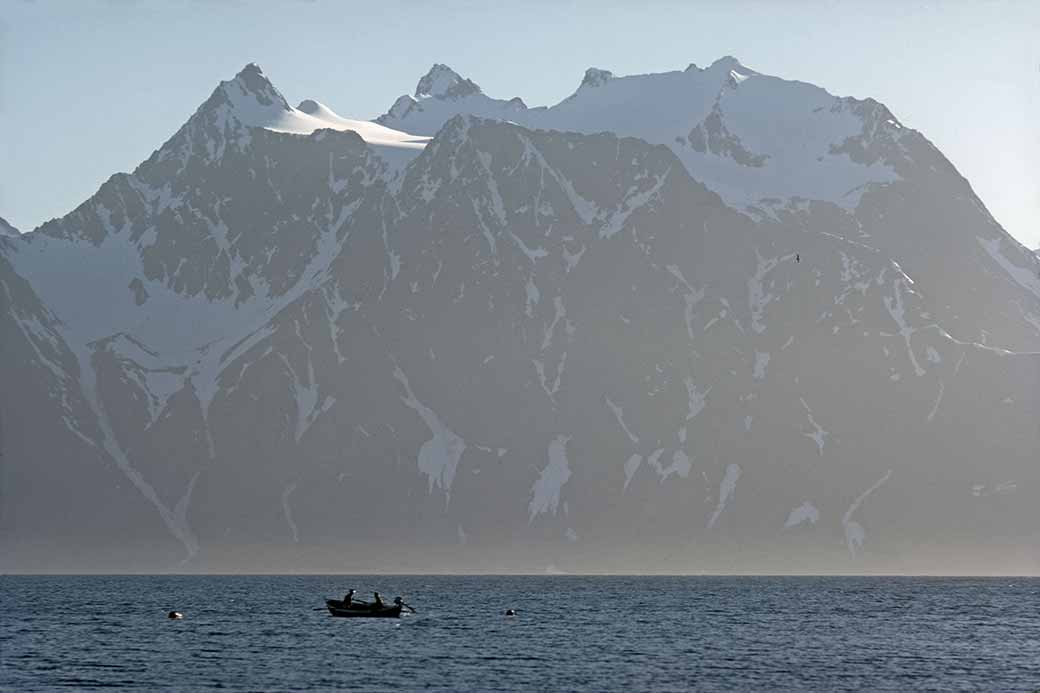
765,143
522,348
8,230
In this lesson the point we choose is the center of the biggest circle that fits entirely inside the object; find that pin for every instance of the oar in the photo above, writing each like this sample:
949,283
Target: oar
401,602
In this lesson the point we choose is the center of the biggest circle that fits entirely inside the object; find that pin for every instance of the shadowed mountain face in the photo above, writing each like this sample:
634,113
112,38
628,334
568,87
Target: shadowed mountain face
8,230
611,335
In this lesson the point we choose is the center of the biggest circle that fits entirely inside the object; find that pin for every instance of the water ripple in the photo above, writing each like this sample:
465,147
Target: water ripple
594,633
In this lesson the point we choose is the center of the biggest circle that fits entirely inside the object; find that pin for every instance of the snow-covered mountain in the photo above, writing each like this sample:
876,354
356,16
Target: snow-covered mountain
762,142
755,137
522,337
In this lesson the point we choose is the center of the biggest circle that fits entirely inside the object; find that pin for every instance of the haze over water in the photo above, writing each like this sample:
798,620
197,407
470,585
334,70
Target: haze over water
590,633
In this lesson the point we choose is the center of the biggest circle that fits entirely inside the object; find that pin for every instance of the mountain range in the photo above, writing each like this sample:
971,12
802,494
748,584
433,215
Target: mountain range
705,320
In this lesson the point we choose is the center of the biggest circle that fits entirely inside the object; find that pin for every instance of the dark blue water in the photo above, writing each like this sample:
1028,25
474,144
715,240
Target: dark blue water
572,633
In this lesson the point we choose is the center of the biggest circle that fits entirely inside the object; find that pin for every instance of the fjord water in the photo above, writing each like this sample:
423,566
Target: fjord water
572,633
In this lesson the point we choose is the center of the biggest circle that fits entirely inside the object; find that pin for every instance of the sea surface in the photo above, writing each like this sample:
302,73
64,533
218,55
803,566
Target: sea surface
571,634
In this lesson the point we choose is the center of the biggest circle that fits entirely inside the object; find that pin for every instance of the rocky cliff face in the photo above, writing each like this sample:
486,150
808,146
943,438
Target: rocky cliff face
277,348
8,230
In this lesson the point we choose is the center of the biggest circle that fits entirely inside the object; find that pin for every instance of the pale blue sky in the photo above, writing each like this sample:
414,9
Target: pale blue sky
92,87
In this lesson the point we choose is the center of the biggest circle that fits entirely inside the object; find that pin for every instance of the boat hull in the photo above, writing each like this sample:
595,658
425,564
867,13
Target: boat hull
386,612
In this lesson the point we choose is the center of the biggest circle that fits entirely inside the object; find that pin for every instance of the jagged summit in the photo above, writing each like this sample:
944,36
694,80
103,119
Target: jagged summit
250,100
720,121
437,80
441,94
251,70
731,70
595,77
728,67
728,62
443,82
252,82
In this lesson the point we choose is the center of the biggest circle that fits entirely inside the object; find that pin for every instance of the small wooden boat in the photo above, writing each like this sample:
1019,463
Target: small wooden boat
362,610
359,609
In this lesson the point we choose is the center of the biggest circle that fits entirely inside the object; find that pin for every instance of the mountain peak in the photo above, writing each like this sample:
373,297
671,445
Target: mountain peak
728,62
311,107
248,98
252,82
594,77
251,68
443,82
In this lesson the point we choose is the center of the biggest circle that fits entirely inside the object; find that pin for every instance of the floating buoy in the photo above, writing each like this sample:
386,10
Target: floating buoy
510,612
175,615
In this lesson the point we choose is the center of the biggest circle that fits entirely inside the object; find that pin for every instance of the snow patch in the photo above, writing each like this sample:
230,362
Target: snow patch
631,467
979,490
632,201
691,297
287,511
818,434
439,456
681,464
761,361
552,388
854,532
545,494
758,299
1025,278
570,260
938,400
533,254
806,512
697,400
619,414
533,297
895,307
726,489
561,313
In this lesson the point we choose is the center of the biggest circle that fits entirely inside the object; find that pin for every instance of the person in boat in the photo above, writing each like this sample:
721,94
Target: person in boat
348,598
377,602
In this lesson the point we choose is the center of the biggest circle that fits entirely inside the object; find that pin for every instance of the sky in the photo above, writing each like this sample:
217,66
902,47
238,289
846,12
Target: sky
89,88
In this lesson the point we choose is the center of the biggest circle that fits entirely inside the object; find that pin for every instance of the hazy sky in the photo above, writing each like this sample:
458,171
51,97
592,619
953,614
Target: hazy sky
92,87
